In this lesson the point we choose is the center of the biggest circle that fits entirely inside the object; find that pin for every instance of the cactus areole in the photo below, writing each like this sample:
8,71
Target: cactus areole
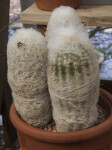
73,79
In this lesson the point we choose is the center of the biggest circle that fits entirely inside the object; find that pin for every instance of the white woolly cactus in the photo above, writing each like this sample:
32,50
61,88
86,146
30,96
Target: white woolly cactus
63,15
73,78
27,55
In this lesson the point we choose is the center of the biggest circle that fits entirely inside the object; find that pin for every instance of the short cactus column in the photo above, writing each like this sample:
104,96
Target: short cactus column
73,79
27,55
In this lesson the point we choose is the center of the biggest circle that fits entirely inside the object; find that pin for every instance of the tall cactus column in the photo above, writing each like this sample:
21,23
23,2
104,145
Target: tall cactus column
73,79
27,55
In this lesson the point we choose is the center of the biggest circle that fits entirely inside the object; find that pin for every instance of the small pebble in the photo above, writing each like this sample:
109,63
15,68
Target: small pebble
45,128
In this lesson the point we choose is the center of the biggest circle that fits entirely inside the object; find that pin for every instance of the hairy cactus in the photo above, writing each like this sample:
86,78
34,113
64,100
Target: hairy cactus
73,79
63,15
27,57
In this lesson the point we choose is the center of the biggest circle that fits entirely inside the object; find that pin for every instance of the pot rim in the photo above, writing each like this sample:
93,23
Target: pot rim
50,5
63,137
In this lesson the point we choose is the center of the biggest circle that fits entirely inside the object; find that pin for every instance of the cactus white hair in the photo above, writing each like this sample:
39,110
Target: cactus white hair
73,79
63,15
27,55
63,38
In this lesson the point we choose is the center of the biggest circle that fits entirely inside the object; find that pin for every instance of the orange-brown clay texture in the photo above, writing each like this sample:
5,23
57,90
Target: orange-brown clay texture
49,5
95,138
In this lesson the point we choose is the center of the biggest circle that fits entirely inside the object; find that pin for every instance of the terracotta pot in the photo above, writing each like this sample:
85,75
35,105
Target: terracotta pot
52,4
95,138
